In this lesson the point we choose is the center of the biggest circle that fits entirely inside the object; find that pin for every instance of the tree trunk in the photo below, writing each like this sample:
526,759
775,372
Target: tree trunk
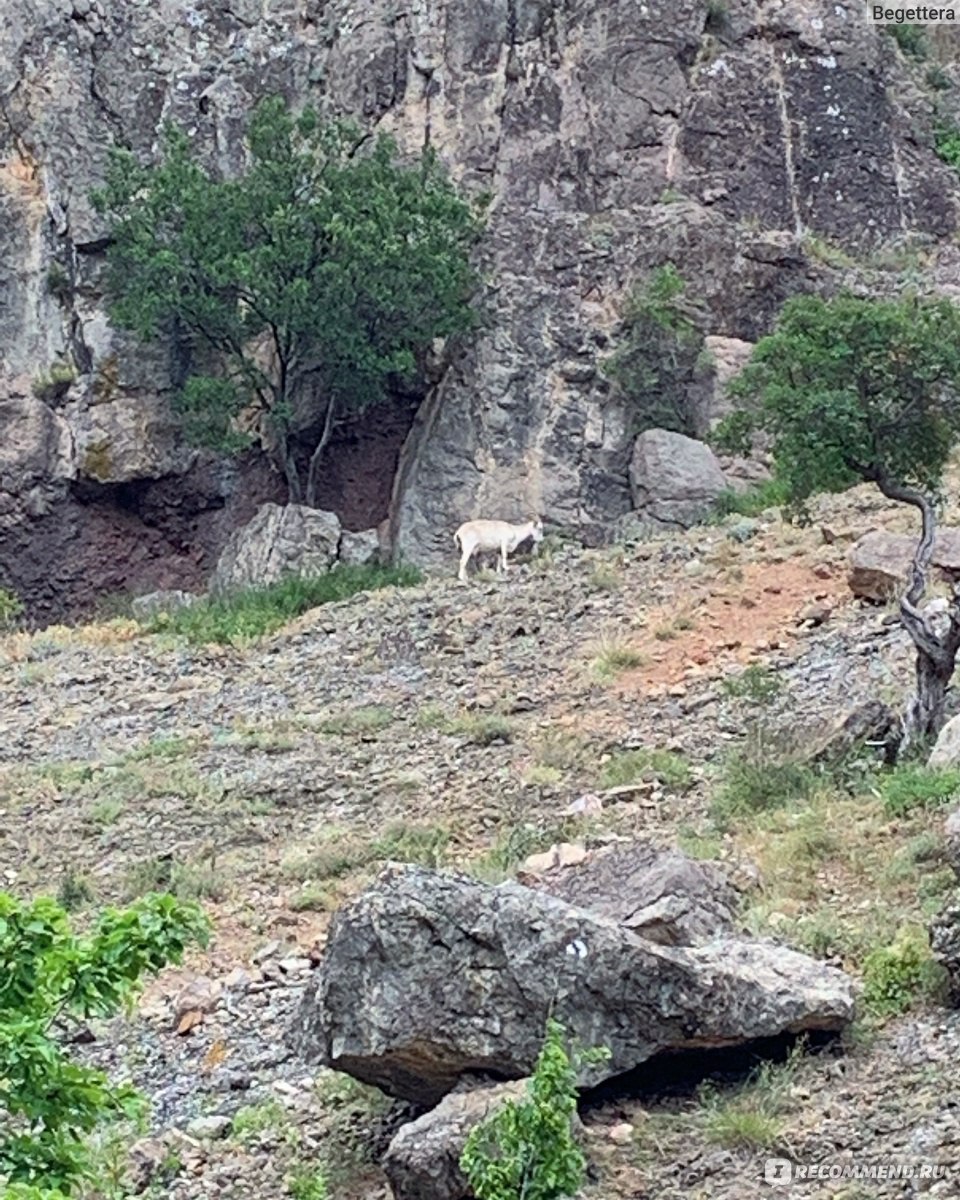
936,653
285,464
923,719
313,473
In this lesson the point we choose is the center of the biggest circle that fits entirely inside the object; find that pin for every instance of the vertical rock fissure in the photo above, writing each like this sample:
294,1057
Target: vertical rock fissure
776,74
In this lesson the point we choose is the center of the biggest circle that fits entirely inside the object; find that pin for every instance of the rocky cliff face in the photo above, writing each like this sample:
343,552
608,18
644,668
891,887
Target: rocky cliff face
614,136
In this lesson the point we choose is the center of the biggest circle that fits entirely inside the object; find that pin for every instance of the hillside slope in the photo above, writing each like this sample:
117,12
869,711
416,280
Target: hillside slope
457,726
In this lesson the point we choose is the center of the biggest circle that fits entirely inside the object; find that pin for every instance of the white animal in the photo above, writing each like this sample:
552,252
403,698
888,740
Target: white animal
494,535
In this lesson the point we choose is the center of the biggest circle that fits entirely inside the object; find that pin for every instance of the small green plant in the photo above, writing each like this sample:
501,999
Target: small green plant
946,141
482,730
364,721
268,1116
526,1148
716,17
426,845
74,892
308,1184
631,766
11,609
613,656
753,1116
187,881
53,384
756,685
254,612
605,578
913,785
825,251
912,39
751,503
753,784
937,79
50,1105
898,975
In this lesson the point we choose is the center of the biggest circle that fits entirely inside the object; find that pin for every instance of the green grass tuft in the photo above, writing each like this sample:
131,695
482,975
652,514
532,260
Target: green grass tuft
913,785
254,612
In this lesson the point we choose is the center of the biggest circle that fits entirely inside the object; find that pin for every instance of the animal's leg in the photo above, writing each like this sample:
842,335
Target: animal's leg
503,557
464,559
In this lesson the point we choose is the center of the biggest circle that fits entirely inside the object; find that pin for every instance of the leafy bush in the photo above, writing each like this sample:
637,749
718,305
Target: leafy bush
912,39
896,976
254,612
527,1148
11,609
752,785
946,140
48,974
658,354
914,785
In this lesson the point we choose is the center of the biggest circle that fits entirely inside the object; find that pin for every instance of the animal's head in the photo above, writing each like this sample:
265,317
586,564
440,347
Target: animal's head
536,526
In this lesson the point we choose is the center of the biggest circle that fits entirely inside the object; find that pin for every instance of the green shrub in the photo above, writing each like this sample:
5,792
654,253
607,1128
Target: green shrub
308,1185
527,1148
11,608
913,785
752,785
665,766
912,39
48,974
898,975
946,140
756,685
769,494
254,612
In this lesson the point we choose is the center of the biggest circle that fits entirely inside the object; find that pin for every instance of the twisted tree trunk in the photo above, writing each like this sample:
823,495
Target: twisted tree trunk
936,654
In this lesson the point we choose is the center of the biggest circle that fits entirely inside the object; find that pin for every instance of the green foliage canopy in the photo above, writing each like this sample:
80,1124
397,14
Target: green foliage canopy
851,390
312,280
48,974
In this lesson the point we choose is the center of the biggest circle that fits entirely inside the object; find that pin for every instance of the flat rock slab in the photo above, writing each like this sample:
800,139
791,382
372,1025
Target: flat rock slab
879,561
429,976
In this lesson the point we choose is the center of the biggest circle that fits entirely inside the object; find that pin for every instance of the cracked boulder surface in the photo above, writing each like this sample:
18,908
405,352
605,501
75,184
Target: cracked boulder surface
612,139
489,966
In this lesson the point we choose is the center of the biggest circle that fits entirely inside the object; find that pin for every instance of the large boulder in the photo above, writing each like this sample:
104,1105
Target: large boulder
280,541
657,892
360,549
674,479
946,749
131,437
945,944
423,1159
429,976
951,831
36,445
879,561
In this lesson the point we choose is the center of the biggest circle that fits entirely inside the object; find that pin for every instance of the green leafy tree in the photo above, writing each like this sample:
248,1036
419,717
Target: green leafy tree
526,1149
849,391
301,289
48,977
